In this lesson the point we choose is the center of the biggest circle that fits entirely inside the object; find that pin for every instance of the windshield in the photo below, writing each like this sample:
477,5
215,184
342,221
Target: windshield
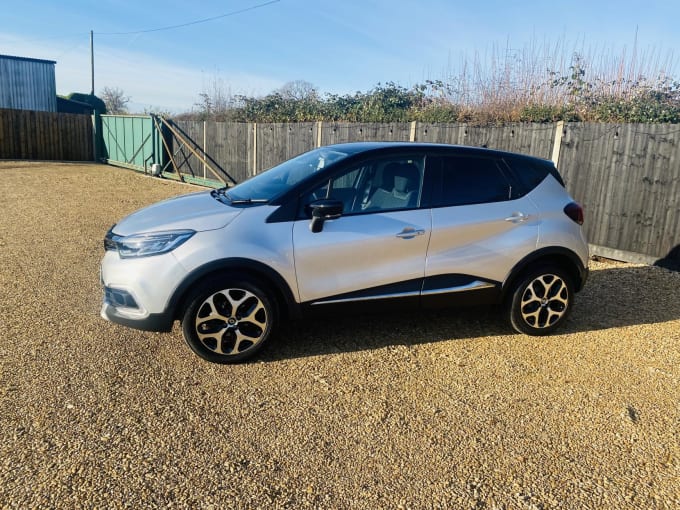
267,185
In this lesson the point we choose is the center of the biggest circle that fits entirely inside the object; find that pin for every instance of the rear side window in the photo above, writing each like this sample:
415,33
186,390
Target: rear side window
530,173
467,180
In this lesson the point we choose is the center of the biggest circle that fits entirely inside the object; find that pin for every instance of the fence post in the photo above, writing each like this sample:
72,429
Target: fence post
318,133
96,134
412,136
254,148
205,143
557,144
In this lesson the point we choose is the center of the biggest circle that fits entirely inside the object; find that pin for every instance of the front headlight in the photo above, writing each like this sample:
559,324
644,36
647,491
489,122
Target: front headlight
145,245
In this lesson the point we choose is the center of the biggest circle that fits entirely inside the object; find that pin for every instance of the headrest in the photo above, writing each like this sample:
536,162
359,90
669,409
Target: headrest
406,178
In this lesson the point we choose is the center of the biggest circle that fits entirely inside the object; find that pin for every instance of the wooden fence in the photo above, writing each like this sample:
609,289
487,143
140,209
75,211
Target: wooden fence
628,179
243,150
626,176
45,136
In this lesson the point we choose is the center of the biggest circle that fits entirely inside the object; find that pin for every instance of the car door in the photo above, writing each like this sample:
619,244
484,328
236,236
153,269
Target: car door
481,226
376,248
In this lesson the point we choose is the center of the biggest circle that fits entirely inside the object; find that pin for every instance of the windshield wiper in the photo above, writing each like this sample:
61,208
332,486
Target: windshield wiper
222,195
239,201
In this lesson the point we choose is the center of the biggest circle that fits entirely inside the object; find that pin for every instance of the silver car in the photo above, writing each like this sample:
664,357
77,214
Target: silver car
348,228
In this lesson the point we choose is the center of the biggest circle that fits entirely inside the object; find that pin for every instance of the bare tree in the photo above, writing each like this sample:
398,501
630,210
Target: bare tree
215,101
115,99
298,90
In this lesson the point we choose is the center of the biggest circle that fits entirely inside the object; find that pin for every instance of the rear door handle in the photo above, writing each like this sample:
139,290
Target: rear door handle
517,217
410,233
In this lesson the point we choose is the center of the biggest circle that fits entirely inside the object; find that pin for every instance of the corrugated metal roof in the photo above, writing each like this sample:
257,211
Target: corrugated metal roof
27,84
28,59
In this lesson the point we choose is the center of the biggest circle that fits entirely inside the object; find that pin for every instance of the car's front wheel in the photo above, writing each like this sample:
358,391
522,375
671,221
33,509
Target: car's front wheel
228,320
541,301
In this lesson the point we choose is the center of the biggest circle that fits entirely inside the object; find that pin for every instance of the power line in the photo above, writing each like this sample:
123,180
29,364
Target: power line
196,22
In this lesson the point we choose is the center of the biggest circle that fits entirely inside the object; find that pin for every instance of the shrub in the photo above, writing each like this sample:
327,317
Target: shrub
96,103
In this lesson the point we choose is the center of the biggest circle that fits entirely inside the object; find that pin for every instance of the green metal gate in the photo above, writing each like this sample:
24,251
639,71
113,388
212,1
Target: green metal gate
130,141
141,141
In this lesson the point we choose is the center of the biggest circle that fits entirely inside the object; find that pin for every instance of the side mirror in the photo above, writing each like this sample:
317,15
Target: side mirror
322,210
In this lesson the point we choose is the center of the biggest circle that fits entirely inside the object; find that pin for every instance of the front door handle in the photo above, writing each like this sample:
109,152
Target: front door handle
517,217
410,233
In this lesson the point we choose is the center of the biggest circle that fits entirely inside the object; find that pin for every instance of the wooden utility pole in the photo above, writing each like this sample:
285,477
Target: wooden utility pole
92,60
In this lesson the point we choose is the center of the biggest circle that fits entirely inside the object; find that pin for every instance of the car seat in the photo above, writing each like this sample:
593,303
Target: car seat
399,188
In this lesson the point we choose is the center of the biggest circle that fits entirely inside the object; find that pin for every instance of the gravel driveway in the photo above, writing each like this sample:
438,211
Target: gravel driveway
438,410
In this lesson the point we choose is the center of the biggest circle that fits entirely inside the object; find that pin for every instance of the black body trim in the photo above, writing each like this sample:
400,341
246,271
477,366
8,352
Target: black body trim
360,307
488,295
393,290
161,322
578,270
431,292
447,281
450,290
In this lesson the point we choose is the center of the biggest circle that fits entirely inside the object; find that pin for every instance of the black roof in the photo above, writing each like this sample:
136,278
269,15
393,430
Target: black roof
362,147
28,59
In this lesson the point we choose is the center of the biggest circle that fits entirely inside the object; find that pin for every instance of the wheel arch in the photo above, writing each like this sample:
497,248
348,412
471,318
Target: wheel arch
555,255
257,271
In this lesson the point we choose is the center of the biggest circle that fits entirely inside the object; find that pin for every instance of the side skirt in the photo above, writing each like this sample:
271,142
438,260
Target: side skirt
441,291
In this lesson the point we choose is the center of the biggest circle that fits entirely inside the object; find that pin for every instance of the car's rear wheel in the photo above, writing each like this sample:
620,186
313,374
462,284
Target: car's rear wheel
229,320
541,301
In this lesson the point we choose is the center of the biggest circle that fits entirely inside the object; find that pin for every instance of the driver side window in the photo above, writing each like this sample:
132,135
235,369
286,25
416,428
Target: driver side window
380,185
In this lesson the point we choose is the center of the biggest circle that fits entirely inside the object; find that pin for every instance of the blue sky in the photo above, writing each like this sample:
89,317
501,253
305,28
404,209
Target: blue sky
340,46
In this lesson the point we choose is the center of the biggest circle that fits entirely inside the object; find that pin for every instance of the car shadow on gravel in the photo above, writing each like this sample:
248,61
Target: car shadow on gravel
375,331
612,298
626,296
670,261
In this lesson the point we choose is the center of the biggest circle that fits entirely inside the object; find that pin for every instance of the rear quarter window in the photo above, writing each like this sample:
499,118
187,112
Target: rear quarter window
529,173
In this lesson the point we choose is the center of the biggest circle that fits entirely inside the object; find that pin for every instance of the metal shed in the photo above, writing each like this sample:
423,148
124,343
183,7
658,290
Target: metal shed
27,84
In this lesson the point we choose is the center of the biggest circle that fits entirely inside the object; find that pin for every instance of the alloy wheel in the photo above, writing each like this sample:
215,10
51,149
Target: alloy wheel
231,321
545,301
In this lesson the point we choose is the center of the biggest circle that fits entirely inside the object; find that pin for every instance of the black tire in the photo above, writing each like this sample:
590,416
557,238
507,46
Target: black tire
244,316
540,301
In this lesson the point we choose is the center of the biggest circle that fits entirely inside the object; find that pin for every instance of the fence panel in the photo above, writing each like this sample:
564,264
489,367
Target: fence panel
628,179
186,161
341,132
534,139
278,142
439,133
45,136
227,143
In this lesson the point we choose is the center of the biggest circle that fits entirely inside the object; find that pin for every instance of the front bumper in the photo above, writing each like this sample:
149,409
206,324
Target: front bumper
136,292
151,322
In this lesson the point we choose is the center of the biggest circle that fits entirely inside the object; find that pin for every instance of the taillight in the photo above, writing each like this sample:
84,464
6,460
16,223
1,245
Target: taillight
575,212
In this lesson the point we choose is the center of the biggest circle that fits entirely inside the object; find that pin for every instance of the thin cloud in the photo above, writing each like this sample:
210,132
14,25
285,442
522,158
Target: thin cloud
148,81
